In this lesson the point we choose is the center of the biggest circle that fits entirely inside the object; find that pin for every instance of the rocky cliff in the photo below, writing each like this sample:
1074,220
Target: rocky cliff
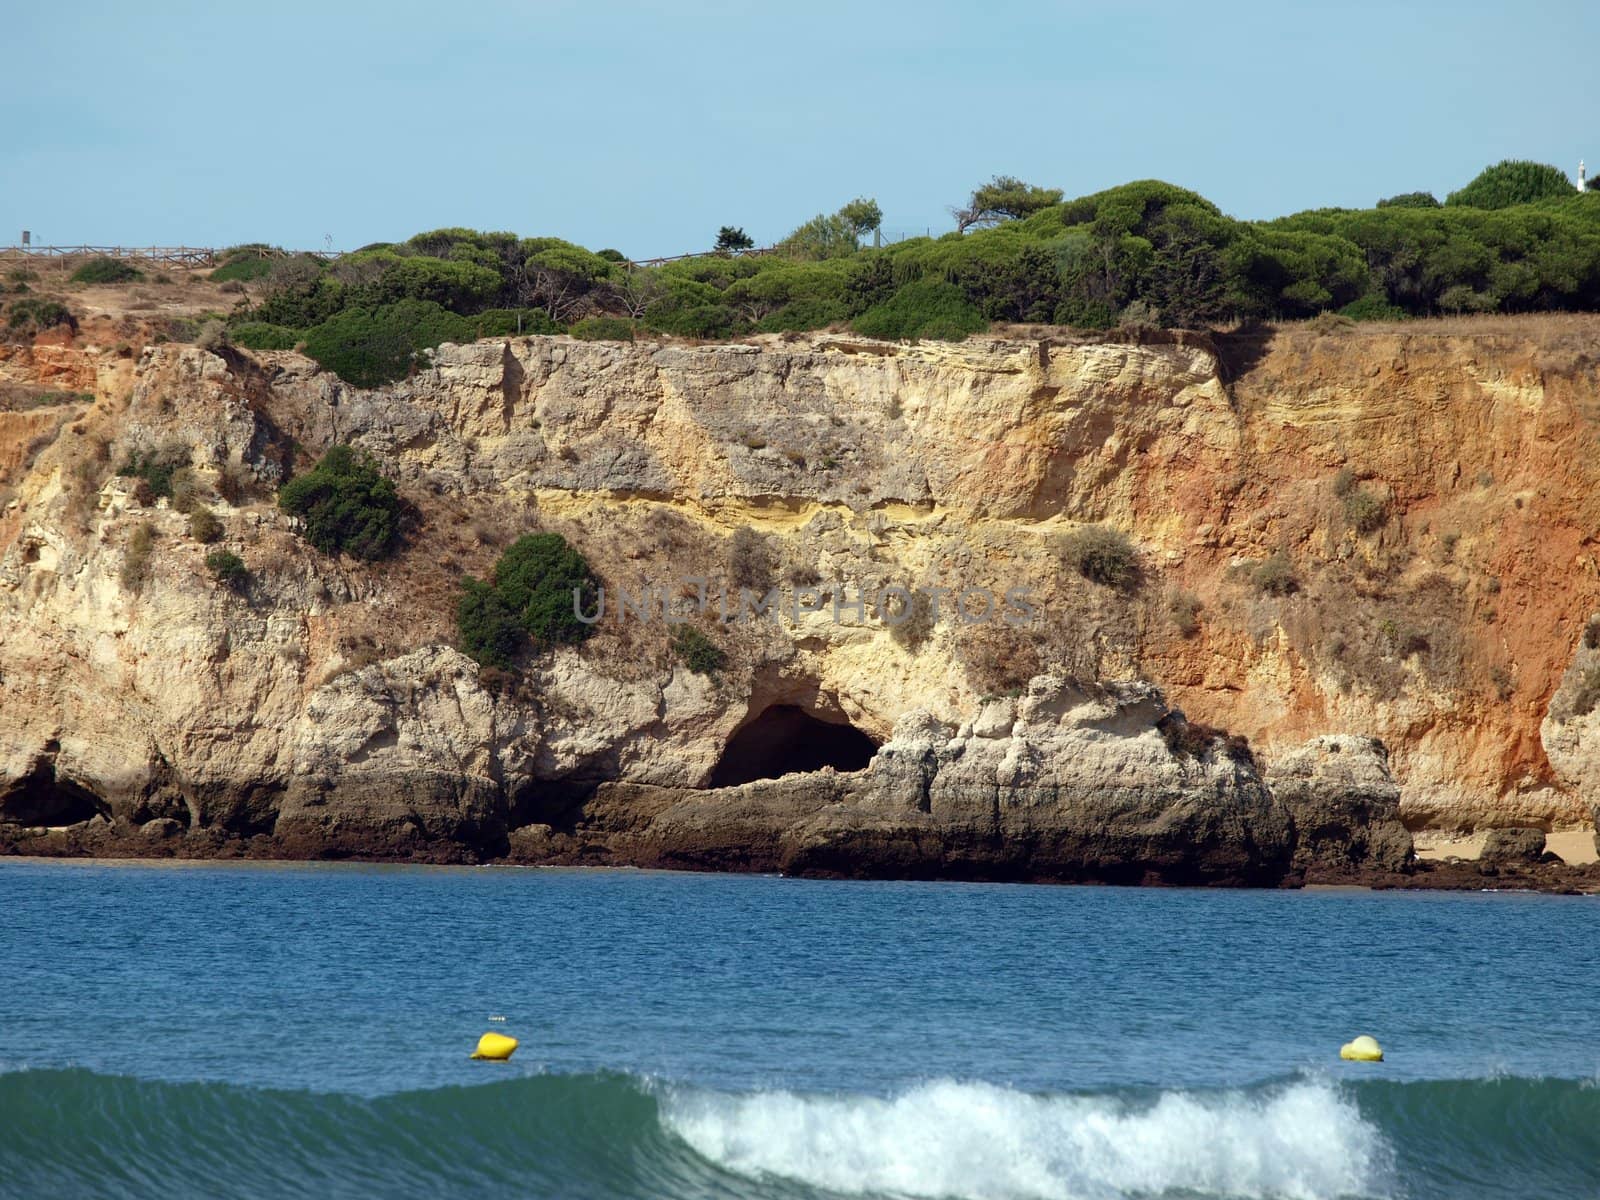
1368,556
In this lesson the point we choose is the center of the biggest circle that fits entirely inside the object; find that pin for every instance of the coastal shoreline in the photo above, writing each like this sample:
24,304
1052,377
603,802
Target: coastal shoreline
1437,875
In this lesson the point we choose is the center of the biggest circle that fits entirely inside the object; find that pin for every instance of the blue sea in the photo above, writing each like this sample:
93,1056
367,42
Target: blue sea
257,1031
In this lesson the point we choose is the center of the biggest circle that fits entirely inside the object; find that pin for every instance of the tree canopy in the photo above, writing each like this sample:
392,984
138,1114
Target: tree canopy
1518,238
1514,181
1003,198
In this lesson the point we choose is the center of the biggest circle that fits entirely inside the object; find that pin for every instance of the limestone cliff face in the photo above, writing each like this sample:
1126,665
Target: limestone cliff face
324,707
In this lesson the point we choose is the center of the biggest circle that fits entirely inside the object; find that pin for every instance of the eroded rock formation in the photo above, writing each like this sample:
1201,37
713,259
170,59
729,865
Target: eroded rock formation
324,710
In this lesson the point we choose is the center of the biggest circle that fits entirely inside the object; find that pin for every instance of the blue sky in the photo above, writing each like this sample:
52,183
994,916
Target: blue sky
645,126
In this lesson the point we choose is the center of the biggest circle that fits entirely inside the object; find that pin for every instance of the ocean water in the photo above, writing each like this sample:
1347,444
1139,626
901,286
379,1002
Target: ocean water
253,1031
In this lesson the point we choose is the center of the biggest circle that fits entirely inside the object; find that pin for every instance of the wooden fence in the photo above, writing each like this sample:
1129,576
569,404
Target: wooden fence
167,256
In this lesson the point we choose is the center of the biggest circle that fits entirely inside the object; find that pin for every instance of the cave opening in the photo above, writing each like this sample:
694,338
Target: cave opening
786,740
39,798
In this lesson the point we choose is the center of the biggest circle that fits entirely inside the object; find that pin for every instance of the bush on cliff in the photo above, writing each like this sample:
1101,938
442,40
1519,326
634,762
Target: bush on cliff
926,309
156,467
1274,575
1102,555
347,504
136,561
243,268
488,631
371,347
531,597
228,569
258,335
105,270
697,652
204,526
536,579
30,315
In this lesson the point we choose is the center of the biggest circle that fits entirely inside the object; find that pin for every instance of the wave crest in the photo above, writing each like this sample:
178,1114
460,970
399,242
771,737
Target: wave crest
1303,1141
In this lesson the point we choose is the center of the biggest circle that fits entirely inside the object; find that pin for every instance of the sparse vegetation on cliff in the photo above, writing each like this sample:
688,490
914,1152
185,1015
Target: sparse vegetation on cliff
1518,238
347,504
1102,555
204,526
749,560
30,315
697,652
1366,510
136,560
1274,575
531,597
228,569
155,468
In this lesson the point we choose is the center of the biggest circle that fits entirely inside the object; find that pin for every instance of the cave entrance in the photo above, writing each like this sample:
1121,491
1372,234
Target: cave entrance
39,798
785,740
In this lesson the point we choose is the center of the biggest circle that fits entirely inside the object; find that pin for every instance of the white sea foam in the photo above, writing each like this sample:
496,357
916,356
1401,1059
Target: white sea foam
1302,1141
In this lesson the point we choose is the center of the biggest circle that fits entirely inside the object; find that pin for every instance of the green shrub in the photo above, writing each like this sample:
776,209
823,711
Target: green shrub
347,504
156,467
924,309
258,335
603,329
509,322
371,347
1410,200
1102,555
204,526
228,569
1372,308
800,315
697,652
105,270
679,315
244,269
39,314
488,631
536,579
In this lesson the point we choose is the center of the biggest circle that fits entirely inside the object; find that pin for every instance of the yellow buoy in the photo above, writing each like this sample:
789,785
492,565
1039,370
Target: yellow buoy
495,1047
1363,1049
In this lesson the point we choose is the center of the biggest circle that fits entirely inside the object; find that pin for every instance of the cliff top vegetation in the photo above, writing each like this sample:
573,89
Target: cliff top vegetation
1518,238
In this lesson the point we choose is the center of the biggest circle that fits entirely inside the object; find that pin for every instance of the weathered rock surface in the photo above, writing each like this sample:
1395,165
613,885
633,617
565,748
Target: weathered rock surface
324,711
1068,782
1346,805
1512,846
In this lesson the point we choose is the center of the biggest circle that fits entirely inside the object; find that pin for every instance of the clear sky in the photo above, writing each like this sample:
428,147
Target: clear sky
645,126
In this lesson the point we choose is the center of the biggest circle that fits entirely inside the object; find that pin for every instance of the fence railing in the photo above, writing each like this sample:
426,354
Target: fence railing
171,256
